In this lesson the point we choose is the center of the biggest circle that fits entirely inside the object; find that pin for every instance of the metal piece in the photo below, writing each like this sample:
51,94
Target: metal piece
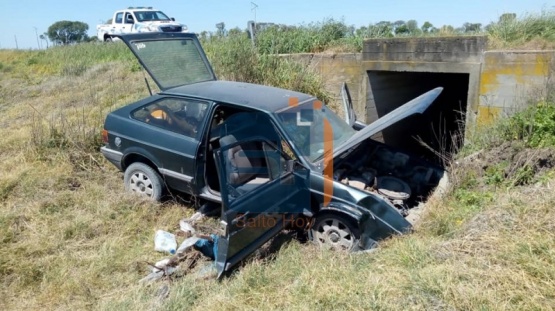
393,188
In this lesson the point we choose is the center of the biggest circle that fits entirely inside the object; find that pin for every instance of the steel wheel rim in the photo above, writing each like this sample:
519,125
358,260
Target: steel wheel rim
335,234
140,183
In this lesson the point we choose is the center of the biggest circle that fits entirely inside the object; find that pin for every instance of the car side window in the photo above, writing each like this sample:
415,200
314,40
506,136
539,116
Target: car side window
251,164
183,116
119,17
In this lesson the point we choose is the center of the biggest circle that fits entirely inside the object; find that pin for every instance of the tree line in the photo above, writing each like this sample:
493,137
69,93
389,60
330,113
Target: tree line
71,32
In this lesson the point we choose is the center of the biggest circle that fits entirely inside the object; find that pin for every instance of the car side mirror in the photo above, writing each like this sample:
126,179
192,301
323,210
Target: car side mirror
172,19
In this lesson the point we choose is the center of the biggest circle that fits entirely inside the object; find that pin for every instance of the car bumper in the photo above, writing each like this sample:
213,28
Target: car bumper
113,156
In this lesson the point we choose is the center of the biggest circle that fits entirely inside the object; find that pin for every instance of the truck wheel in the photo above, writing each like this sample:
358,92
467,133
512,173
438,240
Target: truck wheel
336,232
108,39
143,180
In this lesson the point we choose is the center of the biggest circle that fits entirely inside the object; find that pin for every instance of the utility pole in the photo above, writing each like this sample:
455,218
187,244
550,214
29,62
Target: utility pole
37,34
16,47
254,7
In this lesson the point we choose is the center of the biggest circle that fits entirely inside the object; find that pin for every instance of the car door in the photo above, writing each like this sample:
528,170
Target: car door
128,22
175,124
117,23
350,116
257,207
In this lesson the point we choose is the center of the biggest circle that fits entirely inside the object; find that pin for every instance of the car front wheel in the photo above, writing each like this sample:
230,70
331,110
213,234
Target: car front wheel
142,179
336,232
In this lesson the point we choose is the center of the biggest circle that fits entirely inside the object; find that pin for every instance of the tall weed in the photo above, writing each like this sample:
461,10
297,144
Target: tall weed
234,58
514,32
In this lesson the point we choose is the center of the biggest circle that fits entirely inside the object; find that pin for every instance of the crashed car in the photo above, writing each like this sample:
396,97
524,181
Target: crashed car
271,158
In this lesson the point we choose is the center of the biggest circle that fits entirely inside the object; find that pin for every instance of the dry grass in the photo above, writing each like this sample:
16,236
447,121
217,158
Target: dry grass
70,239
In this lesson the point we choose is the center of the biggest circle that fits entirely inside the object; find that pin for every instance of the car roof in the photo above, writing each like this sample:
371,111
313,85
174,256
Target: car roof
261,97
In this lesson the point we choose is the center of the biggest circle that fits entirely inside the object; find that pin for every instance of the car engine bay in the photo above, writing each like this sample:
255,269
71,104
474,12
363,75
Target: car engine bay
402,179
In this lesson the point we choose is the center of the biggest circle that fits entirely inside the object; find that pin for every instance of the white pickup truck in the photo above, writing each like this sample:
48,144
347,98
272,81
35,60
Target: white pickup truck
138,19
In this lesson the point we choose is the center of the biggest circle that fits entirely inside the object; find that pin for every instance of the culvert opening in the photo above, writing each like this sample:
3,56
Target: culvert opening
441,127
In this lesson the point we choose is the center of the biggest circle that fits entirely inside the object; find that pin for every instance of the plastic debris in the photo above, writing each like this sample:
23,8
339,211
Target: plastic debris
164,265
164,242
187,228
196,217
187,244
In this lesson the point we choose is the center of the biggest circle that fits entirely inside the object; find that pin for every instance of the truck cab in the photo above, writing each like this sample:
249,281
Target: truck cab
137,20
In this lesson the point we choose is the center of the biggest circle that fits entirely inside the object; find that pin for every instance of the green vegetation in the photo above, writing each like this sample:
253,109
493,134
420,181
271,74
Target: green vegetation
534,30
67,32
70,238
234,58
510,31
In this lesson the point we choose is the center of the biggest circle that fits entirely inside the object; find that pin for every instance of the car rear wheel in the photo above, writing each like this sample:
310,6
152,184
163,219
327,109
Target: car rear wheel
142,179
336,232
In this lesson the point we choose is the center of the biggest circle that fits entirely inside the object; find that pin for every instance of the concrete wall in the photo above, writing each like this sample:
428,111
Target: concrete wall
509,79
499,83
336,69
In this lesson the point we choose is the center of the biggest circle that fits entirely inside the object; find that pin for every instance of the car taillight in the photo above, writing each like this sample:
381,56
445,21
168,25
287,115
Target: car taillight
105,136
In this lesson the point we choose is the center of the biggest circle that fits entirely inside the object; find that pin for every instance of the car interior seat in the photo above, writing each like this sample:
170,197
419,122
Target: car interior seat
158,117
245,164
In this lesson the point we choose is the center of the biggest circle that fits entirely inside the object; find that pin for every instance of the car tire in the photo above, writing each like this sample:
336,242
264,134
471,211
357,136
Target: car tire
108,39
336,232
144,180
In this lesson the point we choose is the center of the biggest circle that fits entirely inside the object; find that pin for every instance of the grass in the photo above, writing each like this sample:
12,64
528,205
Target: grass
70,238
234,58
529,31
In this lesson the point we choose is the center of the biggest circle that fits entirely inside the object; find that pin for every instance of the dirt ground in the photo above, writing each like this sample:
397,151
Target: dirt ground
511,161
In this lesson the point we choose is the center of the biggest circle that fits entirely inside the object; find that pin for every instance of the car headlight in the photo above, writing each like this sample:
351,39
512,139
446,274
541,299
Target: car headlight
153,28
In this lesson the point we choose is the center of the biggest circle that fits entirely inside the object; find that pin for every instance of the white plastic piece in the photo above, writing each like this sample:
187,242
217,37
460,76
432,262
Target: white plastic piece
196,217
186,227
162,265
164,242
188,243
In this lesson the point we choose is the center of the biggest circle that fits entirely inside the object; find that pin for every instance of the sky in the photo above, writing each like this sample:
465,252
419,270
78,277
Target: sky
23,20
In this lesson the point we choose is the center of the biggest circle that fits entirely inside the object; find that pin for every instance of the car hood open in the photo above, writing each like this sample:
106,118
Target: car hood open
417,105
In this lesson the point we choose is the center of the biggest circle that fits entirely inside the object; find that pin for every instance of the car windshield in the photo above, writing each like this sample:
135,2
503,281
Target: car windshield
145,16
313,128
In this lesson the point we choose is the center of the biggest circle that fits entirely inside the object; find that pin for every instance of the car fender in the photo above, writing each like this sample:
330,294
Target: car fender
141,153
353,212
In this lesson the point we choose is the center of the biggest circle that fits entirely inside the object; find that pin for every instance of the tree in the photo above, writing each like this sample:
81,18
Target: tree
382,29
427,27
412,26
447,30
472,27
221,29
235,31
507,18
67,32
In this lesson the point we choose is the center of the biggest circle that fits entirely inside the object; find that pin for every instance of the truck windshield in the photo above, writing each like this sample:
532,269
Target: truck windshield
313,127
146,16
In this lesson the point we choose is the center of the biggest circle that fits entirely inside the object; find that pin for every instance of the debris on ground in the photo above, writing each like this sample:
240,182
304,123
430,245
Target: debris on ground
187,228
196,247
164,242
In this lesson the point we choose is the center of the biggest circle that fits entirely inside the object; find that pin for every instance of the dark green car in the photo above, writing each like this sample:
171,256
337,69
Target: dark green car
272,158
